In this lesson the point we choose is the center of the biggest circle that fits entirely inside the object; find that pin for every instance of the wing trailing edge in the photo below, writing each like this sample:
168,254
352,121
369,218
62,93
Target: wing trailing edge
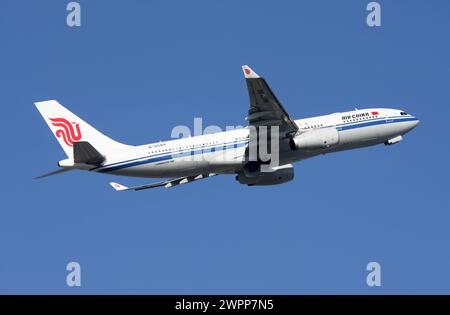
167,183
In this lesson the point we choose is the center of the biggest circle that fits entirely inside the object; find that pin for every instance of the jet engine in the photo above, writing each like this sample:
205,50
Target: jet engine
315,139
270,176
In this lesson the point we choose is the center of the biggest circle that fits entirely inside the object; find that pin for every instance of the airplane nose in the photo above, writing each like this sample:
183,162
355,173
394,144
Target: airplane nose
413,124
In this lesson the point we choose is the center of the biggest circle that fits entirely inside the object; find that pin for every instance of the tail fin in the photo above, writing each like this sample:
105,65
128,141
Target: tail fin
69,128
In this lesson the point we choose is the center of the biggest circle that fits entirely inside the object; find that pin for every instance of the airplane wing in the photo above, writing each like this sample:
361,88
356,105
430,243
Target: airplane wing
265,109
167,183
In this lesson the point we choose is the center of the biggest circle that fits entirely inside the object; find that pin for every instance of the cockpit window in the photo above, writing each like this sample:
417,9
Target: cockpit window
403,113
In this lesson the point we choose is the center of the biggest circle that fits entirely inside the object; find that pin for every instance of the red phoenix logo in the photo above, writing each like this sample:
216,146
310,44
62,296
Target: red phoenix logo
66,131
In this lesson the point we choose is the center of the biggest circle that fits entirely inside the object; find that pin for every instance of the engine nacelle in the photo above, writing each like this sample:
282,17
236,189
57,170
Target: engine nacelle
276,175
315,139
394,140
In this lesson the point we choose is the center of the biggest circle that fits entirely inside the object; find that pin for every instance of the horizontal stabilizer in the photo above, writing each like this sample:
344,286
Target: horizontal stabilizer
62,170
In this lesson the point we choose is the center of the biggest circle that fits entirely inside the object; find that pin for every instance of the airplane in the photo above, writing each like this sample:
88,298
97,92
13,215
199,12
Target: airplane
185,160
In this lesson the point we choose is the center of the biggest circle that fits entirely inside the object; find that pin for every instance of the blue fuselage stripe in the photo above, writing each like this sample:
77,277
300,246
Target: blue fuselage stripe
173,155
374,122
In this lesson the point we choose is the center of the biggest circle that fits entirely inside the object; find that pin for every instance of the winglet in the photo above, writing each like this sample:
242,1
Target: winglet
118,187
249,73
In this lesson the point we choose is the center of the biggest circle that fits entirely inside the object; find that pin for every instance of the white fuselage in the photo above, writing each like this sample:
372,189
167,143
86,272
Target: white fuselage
224,152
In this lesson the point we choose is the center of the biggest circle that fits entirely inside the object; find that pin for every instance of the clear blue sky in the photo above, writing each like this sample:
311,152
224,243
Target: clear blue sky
135,69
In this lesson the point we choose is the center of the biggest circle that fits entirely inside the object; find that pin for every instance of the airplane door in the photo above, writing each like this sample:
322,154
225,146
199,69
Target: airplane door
388,119
335,121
